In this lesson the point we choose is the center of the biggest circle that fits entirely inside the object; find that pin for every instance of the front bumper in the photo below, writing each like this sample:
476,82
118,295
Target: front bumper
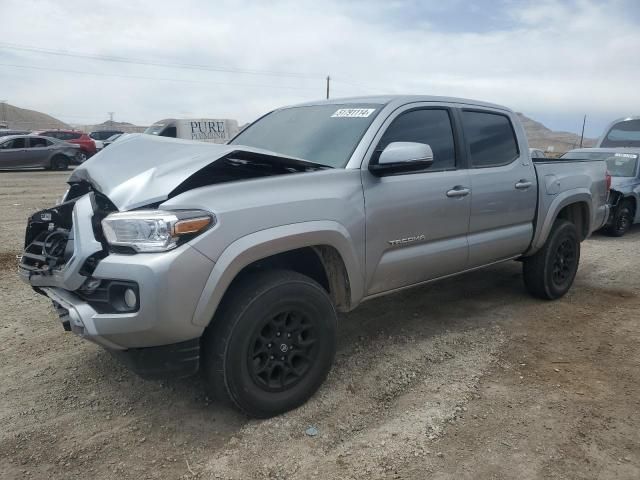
170,285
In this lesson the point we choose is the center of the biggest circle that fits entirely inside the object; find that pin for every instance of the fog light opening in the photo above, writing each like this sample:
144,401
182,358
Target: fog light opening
130,298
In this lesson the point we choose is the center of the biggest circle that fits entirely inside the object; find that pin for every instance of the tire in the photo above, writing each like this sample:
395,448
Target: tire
622,220
244,348
81,157
550,272
59,162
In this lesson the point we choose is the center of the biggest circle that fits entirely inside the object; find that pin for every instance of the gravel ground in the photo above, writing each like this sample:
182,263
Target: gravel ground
467,378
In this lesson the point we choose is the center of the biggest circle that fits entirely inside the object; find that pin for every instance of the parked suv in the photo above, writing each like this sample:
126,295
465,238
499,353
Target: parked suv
177,255
87,145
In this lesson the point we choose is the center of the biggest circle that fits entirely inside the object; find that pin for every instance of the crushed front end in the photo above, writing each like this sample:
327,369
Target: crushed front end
134,305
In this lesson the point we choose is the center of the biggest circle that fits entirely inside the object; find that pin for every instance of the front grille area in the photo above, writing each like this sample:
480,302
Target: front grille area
50,249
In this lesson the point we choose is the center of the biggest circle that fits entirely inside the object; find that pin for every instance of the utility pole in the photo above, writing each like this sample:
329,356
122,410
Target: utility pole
584,120
111,116
4,109
328,80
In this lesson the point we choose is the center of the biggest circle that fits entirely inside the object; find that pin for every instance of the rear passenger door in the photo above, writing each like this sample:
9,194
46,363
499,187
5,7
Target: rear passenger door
503,186
416,223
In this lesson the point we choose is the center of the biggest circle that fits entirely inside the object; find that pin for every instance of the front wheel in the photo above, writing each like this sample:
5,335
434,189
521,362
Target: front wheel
549,273
271,344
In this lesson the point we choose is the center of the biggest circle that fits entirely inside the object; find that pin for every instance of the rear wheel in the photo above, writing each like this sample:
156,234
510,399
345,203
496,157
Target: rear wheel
271,344
59,162
622,220
549,273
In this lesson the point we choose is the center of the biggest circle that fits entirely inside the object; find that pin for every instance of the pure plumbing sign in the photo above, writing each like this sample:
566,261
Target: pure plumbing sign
208,129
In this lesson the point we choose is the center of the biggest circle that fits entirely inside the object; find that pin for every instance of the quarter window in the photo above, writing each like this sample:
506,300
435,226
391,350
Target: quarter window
430,126
490,137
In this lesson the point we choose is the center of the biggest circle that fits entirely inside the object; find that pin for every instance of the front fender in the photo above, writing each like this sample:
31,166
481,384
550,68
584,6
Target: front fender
265,243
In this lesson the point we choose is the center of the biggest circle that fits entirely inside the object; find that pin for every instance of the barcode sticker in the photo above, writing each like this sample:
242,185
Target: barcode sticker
353,112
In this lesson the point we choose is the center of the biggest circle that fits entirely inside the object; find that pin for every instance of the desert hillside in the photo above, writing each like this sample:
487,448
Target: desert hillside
23,119
543,138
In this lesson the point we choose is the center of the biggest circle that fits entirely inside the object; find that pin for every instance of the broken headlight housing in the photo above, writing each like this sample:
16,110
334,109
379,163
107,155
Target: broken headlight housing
147,231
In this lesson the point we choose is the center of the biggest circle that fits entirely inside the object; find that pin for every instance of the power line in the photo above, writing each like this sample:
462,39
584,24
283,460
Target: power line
141,77
136,61
129,60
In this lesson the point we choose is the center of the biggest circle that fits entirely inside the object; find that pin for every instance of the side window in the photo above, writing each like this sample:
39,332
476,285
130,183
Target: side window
491,139
430,126
169,132
15,143
36,142
73,135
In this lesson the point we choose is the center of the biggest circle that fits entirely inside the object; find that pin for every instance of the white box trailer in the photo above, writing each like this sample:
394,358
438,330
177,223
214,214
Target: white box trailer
212,130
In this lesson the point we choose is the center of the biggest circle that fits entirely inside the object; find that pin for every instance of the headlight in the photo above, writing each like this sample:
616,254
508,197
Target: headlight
154,230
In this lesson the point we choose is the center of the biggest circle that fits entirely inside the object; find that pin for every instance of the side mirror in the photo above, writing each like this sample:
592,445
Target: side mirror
398,157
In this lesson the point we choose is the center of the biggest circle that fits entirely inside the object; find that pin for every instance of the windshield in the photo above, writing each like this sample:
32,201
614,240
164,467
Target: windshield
155,129
325,134
623,134
618,164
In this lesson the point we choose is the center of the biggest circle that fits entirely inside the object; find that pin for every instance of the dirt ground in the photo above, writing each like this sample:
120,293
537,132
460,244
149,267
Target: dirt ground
469,378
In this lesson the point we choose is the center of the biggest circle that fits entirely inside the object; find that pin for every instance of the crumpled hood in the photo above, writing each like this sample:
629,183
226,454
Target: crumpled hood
143,169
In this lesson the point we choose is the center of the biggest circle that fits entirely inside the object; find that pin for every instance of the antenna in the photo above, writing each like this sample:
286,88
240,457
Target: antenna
111,116
584,120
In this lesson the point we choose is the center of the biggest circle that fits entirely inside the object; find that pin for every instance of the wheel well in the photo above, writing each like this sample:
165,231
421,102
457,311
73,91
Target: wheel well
578,214
322,263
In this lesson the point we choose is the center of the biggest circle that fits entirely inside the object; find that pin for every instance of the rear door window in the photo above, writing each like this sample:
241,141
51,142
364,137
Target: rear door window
37,142
491,138
431,126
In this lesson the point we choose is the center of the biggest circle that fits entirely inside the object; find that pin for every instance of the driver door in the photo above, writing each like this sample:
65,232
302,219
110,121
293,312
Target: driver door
417,223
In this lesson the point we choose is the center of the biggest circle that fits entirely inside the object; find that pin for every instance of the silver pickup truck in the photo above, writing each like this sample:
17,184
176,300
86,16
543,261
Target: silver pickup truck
178,255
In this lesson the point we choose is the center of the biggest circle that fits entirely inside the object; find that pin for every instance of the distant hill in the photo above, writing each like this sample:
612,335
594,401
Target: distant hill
110,125
545,139
23,119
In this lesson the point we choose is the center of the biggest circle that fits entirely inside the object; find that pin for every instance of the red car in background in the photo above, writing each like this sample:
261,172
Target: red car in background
86,143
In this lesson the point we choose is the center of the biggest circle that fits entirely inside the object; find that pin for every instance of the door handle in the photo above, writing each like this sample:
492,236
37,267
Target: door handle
523,184
458,191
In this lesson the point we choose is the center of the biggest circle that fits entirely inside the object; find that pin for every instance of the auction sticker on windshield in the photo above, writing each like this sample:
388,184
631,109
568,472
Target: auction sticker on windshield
353,112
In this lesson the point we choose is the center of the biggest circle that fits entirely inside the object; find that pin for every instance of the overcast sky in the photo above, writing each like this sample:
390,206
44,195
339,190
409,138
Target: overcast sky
553,60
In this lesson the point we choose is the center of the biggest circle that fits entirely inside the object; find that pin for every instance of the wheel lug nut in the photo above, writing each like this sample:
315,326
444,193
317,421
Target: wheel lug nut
282,358
277,334
288,335
268,345
271,357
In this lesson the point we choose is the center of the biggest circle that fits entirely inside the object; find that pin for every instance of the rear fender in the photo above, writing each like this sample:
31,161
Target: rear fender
559,202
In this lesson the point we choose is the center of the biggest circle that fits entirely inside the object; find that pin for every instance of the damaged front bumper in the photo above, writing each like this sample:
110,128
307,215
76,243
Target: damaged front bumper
168,286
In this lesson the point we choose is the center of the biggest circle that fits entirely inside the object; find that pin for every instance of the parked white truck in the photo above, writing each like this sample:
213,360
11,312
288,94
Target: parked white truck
211,130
